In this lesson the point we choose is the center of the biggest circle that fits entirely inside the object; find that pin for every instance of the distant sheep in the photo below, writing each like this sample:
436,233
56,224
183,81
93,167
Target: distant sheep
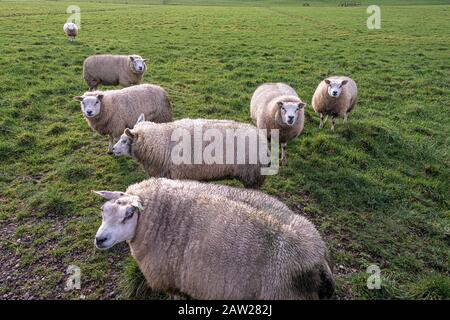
216,242
277,106
71,30
152,146
335,96
111,112
110,70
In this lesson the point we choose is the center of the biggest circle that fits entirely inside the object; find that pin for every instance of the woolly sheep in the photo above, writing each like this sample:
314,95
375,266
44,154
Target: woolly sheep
277,106
335,96
71,30
109,69
228,243
153,145
111,112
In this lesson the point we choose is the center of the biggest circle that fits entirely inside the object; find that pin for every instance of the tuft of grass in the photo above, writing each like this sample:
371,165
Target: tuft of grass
134,285
52,203
432,288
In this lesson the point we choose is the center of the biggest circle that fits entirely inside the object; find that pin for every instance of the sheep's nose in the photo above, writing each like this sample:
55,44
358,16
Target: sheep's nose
334,93
140,68
89,112
290,119
100,240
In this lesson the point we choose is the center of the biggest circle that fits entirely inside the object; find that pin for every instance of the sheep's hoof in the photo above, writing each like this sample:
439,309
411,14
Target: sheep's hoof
284,162
321,126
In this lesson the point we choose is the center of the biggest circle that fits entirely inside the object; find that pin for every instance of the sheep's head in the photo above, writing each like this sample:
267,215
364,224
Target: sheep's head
138,65
289,111
119,218
335,87
123,146
90,105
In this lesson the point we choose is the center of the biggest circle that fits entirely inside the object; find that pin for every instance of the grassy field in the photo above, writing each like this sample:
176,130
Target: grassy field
377,188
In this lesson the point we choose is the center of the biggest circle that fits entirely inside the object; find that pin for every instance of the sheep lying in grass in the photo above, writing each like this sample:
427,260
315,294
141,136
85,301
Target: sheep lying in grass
110,70
228,243
153,145
335,96
71,30
111,112
277,106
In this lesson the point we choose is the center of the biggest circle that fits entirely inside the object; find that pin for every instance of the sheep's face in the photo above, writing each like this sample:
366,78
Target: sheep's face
123,146
335,87
289,111
138,65
119,218
90,105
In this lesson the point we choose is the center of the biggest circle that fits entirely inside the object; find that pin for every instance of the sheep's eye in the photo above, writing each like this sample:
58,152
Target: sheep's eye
284,110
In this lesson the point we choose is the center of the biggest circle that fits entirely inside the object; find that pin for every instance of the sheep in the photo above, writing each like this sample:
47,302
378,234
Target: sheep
216,242
277,106
71,30
154,145
335,96
109,69
111,112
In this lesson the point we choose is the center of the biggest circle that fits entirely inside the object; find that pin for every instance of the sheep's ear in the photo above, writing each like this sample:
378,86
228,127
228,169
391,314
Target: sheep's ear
343,83
129,133
100,97
137,203
301,105
140,119
78,98
131,58
280,104
327,81
109,195
144,60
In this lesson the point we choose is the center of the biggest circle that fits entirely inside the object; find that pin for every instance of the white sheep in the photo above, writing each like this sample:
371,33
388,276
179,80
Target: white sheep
111,112
216,242
278,106
110,70
71,30
334,96
153,145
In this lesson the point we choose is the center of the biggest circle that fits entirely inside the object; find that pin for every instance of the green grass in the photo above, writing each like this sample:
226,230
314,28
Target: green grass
376,188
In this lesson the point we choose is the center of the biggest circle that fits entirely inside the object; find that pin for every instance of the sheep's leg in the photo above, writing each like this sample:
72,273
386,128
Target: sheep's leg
111,144
333,121
345,117
322,120
283,154
93,87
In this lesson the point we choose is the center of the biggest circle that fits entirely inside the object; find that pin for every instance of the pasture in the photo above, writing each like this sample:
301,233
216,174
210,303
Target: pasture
377,188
